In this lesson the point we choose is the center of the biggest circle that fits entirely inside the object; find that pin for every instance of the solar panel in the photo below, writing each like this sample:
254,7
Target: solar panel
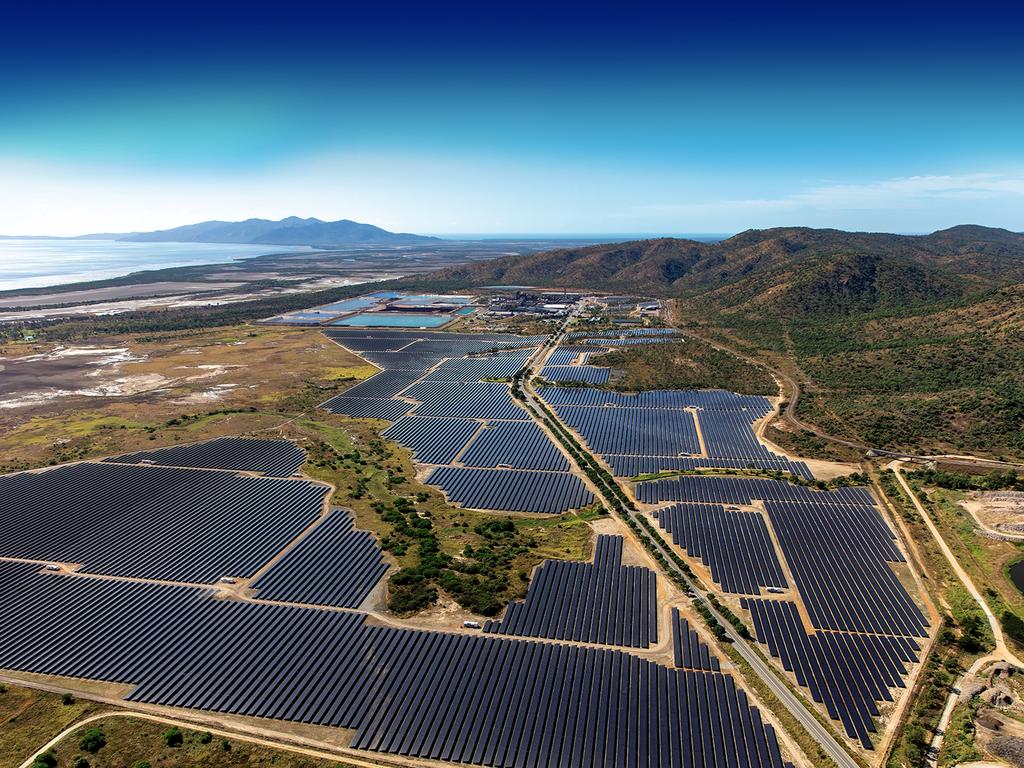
513,490
734,545
601,602
848,673
335,564
187,525
516,444
277,458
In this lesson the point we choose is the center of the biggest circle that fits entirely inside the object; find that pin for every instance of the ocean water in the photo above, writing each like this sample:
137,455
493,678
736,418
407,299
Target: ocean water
39,263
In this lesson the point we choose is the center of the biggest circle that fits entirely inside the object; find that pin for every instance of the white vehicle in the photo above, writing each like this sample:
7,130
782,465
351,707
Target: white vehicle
52,567
471,624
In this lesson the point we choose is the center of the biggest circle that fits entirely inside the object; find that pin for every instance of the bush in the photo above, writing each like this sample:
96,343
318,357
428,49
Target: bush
225,745
45,760
80,762
67,699
173,737
205,738
1013,626
92,740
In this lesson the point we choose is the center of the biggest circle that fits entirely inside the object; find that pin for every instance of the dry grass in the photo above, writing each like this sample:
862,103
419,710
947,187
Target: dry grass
30,718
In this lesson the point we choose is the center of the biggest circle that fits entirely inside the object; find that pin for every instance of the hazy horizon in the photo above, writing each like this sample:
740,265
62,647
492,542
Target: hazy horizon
512,119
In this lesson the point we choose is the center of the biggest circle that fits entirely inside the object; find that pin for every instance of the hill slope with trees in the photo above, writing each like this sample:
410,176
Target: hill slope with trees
902,342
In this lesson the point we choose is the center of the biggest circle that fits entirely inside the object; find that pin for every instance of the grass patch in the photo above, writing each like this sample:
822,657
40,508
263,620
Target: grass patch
137,743
31,718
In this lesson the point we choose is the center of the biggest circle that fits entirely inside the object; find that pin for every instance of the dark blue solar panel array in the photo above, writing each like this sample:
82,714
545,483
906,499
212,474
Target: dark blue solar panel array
566,355
276,458
188,525
629,342
711,399
735,490
384,384
516,444
434,440
848,673
500,365
461,698
588,374
631,466
635,431
602,602
444,408
734,545
513,490
687,649
838,549
728,434
465,399
838,555
629,332
335,564
725,420
367,407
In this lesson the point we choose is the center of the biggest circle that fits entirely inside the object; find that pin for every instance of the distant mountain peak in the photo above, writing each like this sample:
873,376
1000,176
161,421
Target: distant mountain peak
292,230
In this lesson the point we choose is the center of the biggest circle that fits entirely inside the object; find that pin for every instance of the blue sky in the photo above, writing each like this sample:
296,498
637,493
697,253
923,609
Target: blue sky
509,118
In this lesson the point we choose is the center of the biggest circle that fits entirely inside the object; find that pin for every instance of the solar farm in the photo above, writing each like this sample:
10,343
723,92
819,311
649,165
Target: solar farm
264,621
451,405
216,576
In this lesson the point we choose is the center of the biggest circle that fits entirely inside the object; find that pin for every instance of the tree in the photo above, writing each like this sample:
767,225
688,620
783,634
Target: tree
173,737
92,740
45,760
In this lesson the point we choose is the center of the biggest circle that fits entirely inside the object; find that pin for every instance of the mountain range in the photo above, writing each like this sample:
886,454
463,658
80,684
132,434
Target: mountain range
289,231
790,271
909,342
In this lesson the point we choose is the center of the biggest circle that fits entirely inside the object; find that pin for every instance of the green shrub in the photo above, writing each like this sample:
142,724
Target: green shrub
173,737
92,740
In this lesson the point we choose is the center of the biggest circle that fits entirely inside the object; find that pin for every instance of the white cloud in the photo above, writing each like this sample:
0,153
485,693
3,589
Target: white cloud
478,194
905,193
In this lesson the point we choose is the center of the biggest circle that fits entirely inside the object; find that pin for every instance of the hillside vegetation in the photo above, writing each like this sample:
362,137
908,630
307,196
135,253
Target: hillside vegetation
686,364
903,342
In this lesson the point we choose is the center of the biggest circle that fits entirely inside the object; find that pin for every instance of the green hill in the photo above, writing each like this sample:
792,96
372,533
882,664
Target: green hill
905,342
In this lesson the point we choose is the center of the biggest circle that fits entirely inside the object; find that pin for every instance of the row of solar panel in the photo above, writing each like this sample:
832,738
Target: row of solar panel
631,466
586,374
712,399
734,545
513,490
335,565
276,458
567,355
727,490
187,525
687,649
628,342
627,332
839,556
601,602
848,673
634,431
460,698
